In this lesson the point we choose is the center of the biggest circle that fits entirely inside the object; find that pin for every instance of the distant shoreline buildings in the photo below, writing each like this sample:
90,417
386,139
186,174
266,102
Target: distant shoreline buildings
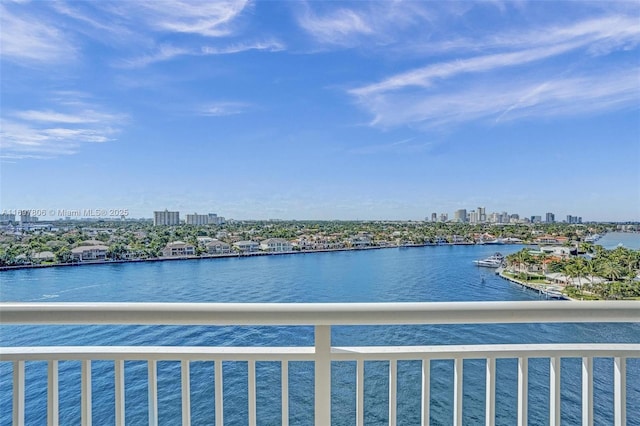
172,218
479,216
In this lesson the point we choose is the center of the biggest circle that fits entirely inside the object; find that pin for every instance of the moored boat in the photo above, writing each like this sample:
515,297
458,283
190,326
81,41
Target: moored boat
493,261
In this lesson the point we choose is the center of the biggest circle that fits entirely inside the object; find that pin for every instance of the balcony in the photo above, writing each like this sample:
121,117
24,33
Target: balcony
325,358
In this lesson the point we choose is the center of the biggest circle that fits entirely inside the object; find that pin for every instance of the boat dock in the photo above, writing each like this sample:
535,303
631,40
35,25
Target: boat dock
550,292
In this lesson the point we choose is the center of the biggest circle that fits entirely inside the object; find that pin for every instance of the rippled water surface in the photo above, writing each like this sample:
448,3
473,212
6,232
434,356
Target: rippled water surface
442,273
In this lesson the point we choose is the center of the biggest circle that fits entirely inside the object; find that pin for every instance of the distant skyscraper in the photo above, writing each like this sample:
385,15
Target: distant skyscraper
536,219
482,214
434,217
444,217
25,217
460,215
550,218
6,218
197,219
166,218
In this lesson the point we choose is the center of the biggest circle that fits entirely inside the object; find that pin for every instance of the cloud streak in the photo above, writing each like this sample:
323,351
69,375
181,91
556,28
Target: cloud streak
29,40
39,134
169,52
514,84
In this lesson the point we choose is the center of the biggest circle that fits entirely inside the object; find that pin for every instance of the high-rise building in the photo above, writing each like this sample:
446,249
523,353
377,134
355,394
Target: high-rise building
434,217
482,214
197,219
460,215
7,218
166,218
444,217
536,219
574,219
25,217
550,218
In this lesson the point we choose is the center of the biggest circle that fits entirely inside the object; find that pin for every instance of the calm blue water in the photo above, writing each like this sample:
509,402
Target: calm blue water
443,273
611,240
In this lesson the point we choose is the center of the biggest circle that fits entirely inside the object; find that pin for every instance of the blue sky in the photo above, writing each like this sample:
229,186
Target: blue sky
321,110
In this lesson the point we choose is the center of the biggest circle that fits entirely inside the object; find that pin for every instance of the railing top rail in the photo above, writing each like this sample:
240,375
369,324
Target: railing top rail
318,313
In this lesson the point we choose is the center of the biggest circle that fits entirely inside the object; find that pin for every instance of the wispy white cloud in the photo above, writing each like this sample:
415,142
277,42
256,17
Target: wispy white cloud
380,22
49,133
28,39
210,19
221,109
335,27
452,91
168,52
508,100
403,146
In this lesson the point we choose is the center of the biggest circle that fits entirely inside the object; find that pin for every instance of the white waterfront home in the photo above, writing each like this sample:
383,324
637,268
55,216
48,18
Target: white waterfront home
218,247
177,249
275,245
247,246
91,252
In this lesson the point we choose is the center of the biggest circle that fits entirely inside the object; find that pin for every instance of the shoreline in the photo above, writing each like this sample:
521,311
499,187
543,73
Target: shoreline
225,256
213,256
533,287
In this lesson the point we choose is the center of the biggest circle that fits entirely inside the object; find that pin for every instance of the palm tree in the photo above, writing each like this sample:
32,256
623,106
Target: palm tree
576,268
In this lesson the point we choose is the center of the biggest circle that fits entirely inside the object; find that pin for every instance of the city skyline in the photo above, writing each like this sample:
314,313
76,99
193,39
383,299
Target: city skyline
321,110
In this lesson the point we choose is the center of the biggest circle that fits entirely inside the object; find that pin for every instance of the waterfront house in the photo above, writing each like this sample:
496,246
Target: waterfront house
177,249
89,252
551,239
44,256
275,245
247,246
359,241
217,247
203,241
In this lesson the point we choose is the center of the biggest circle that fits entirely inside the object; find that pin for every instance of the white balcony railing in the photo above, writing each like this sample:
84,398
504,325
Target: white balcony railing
322,354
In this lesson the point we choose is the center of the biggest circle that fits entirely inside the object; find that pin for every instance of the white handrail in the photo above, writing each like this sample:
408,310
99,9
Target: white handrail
319,313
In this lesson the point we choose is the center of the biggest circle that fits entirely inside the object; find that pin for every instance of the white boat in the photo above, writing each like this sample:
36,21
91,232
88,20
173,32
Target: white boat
493,261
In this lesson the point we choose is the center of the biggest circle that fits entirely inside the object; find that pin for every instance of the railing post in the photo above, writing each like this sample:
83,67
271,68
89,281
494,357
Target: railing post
554,391
323,375
52,394
620,391
119,391
523,390
457,391
587,391
490,399
152,375
85,398
18,392
426,391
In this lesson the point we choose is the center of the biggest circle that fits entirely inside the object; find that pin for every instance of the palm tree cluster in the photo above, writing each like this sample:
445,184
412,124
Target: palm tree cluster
609,274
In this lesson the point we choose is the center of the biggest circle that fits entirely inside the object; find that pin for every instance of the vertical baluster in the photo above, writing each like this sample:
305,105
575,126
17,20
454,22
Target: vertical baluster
490,399
284,379
620,391
18,392
554,391
322,375
426,391
119,391
393,390
86,393
360,392
152,374
457,392
252,392
52,394
587,391
523,390
186,392
218,394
